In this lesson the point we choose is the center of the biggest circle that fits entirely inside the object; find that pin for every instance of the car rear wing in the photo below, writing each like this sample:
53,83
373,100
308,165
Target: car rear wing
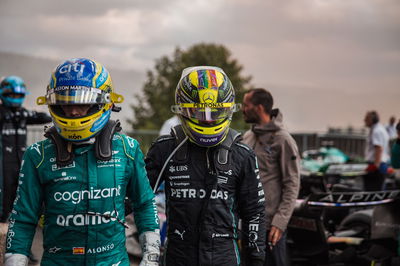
349,199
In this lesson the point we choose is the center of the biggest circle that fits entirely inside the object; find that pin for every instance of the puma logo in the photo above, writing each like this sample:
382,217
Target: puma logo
179,233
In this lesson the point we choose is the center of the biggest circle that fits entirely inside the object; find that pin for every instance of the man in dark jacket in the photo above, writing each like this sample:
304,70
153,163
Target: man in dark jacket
13,121
278,159
211,180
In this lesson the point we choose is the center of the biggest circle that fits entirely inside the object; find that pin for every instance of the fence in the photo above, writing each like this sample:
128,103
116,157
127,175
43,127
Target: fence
351,144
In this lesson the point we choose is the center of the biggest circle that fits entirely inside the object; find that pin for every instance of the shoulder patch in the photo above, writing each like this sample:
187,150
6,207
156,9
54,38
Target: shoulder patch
131,141
37,152
37,147
128,144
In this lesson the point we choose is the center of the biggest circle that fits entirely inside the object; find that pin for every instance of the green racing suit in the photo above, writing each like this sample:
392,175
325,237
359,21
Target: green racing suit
83,203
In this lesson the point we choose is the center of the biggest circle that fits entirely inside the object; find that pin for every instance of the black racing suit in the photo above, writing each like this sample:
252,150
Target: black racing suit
204,204
13,121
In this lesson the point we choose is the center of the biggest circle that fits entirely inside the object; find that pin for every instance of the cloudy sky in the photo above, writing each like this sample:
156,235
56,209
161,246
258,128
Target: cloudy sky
326,61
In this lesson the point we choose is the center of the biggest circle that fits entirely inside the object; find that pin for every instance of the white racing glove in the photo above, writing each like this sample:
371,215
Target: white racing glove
15,260
150,243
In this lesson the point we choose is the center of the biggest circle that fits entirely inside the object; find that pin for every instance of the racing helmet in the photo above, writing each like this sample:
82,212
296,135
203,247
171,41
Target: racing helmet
12,91
80,81
205,103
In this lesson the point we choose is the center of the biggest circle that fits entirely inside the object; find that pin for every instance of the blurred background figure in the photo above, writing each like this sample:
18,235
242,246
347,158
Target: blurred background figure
391,128
168,124
13,121
395,154
376,152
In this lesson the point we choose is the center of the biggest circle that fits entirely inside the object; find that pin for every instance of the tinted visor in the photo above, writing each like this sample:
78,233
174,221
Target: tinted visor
77,95
205,112
91,109
14,95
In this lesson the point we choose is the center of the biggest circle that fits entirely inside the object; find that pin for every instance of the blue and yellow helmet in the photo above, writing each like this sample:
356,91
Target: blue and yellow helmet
205,103
75,82
12,91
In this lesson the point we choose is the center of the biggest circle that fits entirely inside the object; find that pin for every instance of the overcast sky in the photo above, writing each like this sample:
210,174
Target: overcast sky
326,61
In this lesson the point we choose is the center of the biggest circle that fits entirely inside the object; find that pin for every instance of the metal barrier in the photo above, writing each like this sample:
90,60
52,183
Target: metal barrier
35,133
351,144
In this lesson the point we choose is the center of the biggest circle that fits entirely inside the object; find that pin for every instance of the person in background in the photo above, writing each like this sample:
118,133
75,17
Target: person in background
279,163
391,128
376,152
79,177
168,125
13,121
211,180
395,154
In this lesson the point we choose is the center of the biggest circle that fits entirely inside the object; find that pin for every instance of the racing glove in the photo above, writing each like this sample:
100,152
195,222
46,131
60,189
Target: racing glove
150,243
15,260
373,168
383,168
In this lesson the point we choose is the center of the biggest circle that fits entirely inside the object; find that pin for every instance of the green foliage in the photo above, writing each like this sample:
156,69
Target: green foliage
152,107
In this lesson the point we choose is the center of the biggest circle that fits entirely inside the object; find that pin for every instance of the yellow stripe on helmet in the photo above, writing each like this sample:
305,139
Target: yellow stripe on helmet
220,78
209,131
194,78
205,105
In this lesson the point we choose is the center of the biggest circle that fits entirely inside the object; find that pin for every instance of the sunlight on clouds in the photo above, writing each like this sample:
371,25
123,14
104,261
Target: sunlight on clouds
327,10
187,15
114,27
123,26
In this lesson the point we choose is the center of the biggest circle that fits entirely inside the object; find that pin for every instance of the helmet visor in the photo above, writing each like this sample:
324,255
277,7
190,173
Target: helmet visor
65,95
204,111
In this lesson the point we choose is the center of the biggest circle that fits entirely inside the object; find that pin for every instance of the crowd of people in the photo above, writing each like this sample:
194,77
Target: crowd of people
220,186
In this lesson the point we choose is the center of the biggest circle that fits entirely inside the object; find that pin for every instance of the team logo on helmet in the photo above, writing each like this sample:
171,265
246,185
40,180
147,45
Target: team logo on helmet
208,97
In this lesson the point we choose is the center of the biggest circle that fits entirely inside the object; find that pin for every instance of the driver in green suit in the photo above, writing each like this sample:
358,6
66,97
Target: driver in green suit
80,176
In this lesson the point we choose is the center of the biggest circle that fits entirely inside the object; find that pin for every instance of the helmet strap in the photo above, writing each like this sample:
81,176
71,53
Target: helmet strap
64,154
179,134
221,158
103,144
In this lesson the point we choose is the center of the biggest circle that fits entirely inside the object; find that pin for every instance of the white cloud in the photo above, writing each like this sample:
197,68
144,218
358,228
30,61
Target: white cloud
115,27
332,11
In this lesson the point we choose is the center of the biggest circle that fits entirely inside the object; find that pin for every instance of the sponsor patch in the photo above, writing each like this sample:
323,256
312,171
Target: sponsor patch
54,250
78,250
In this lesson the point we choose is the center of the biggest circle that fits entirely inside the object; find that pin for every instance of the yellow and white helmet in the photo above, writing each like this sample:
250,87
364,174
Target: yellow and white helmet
75,82
205,103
